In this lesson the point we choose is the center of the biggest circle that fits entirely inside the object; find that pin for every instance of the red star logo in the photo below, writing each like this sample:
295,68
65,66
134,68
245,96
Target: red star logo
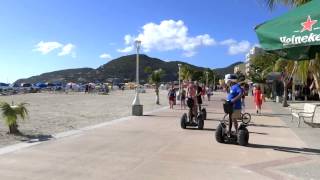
307,26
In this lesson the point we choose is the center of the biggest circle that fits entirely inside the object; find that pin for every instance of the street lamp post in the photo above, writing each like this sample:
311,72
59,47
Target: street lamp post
137,108
214,81
207,80
179,65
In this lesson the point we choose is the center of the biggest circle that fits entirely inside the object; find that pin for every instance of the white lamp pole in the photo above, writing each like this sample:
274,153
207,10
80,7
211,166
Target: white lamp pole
207,81
179,65
136,106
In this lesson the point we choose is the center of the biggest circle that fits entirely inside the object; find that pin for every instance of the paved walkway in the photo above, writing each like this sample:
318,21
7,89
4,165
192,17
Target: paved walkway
155,147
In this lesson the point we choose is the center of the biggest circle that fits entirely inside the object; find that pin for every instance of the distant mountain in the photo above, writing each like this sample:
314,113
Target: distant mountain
123,68
227,70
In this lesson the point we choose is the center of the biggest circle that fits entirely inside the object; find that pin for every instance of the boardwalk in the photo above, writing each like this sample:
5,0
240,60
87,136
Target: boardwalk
155,147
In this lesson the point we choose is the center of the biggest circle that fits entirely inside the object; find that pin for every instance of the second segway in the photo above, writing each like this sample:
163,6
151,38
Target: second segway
194,118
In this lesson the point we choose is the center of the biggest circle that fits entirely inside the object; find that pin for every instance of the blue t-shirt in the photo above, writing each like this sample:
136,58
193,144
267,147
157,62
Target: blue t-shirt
235,90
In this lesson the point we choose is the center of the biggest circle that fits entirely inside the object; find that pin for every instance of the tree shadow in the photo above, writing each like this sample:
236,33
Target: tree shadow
35,137
307,151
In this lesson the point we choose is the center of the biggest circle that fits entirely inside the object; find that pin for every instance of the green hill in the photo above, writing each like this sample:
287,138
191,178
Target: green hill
123,68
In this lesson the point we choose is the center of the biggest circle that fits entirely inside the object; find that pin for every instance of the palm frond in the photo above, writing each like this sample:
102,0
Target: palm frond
292,3
21,110
303,70
8,113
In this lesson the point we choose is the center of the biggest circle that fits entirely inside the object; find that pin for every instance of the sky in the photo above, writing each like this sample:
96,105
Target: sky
38,36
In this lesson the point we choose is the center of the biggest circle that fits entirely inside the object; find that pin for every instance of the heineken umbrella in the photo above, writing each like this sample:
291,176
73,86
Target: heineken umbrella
294,35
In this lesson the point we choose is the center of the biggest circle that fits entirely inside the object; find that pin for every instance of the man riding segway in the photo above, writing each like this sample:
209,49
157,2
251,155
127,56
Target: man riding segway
234,97
232,107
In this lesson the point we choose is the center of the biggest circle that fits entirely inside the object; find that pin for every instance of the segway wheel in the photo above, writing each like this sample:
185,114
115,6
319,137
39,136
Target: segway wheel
183,121
246,118
204,113
200,122
220,134
243,137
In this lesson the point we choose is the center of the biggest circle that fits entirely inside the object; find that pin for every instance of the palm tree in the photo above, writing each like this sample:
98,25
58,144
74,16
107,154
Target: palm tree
272,3
186,73
11,114
287,68
155,78
314,65
314,68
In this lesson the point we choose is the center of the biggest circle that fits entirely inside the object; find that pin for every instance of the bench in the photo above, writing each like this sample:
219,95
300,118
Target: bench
309,111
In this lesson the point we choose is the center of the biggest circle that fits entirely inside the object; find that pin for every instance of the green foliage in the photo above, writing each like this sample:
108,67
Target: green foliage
199,76
186,72
260,66
11,113
155,76
148,70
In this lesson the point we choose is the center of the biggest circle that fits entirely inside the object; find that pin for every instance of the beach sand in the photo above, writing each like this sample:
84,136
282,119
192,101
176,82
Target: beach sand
51,113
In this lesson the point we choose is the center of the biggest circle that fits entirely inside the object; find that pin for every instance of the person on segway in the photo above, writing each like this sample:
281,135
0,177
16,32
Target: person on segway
198,95
191,93
234,96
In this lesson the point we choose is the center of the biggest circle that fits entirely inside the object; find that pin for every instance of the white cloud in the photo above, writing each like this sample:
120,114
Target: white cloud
189,54
46,47
105,56
228,42
126,49
235,47
128,39
67,49
166,36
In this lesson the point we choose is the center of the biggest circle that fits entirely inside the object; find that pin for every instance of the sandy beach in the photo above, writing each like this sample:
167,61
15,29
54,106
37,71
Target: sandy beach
51,113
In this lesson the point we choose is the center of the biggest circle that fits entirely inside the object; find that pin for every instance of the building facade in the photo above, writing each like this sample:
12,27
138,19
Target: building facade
253,52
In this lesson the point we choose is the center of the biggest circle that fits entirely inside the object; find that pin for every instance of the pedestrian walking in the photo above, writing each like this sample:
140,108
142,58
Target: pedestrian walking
183,98
172,96
209,92
258,97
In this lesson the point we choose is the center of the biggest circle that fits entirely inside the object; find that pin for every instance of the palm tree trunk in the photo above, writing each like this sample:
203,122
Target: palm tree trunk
157,95
316,80
285,94
13,129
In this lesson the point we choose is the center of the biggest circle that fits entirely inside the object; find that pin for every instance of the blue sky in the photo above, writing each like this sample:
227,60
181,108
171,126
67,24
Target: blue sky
39,36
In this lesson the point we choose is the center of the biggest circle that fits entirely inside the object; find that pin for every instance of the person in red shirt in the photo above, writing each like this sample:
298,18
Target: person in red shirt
258,97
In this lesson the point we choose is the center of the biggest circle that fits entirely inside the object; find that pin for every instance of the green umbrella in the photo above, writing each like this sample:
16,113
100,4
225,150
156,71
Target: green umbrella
294,35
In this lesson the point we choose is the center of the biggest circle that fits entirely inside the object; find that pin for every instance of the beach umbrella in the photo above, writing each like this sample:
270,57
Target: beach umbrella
294,35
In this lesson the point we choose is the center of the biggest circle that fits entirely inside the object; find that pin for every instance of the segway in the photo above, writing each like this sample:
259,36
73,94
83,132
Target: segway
204,113
242,137
192,119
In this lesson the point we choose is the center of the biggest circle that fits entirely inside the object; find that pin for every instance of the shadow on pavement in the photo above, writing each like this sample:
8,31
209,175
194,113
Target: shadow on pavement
204,129
269,126
272,115
307,151
150,115
213,119
260,133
